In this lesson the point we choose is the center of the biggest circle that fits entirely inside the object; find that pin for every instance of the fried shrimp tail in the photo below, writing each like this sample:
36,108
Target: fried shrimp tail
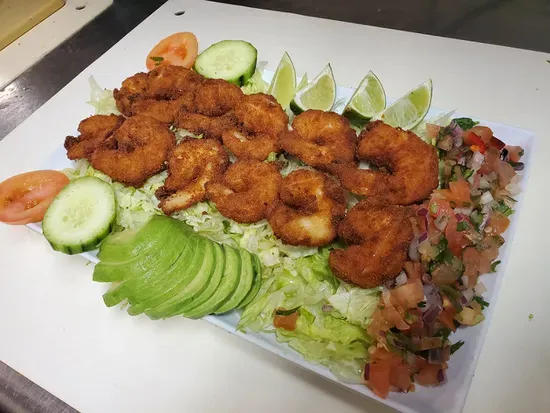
135,151
311,205
408,167
320,138
245,191
93,132
380,236
191,165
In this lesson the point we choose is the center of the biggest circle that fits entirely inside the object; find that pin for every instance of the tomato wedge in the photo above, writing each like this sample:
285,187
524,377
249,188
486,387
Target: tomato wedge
25,198
179,49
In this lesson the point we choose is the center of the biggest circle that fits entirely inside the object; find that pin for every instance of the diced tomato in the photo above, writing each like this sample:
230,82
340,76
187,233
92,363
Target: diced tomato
457,241
497,143
400,377
379,379
288,322
428,375
505,172
491,157
432,130
413,269
447,315
475,263
393,315
475,142
483,132
408,295
439,206
25,198
180,49
498,223
514,153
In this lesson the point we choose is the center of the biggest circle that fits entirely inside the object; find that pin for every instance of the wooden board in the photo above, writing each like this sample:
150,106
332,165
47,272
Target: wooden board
18,17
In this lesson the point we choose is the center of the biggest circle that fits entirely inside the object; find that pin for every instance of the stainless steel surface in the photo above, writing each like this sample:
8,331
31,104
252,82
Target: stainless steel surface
20,395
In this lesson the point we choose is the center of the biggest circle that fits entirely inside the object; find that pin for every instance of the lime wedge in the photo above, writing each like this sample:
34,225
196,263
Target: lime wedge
319,94
408,111
302,83
368,101
283,85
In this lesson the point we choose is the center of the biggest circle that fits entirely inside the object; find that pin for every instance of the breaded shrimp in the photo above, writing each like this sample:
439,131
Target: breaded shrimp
260,122
132,90
162,110
380,235
171,82
320,138
245,191
209,127
216,97
311,205
135,151
191,165
411,166
93,132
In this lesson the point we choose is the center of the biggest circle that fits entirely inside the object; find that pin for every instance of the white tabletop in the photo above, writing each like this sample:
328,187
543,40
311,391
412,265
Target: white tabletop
55,329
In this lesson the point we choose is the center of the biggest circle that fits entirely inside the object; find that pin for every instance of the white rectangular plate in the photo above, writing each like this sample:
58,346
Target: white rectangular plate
448,398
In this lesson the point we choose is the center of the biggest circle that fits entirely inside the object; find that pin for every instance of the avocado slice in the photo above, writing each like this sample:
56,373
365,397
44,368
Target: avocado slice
245,283
199,282
257,283
228,284
124,245
182,273
213,283
144,272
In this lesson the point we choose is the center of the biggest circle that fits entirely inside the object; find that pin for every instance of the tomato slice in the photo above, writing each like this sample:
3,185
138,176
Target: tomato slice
179,49
288,322
25,198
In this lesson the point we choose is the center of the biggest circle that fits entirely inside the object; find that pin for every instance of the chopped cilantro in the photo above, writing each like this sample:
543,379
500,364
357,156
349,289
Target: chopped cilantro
481,302
462,226
422,304
468,173
494,266
444,333
504,209
287,312
521,153
456,346
531,316
434,208
509,198
476,218
465,123
157,59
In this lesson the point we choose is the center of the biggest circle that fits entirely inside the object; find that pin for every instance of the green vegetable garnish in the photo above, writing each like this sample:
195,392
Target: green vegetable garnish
456,346
462,226
494,266
157,59
422,304
465,123
504,209
287,312
481,301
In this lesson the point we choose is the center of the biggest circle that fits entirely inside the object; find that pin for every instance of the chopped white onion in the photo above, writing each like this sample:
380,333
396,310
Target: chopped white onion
476,161
468,294
465,280
441,222
486,198
401,278
413,250
464,211
484,182
480,288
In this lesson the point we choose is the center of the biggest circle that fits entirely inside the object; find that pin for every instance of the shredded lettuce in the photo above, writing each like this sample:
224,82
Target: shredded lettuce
256,84
332,314
101,99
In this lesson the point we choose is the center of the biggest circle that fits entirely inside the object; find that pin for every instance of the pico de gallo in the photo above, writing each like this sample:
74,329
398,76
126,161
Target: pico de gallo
457,236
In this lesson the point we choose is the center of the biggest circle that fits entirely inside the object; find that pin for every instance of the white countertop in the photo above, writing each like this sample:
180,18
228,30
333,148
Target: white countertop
56,331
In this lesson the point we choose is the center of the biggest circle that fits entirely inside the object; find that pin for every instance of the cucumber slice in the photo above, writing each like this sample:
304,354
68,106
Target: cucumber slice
80,216
231,60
